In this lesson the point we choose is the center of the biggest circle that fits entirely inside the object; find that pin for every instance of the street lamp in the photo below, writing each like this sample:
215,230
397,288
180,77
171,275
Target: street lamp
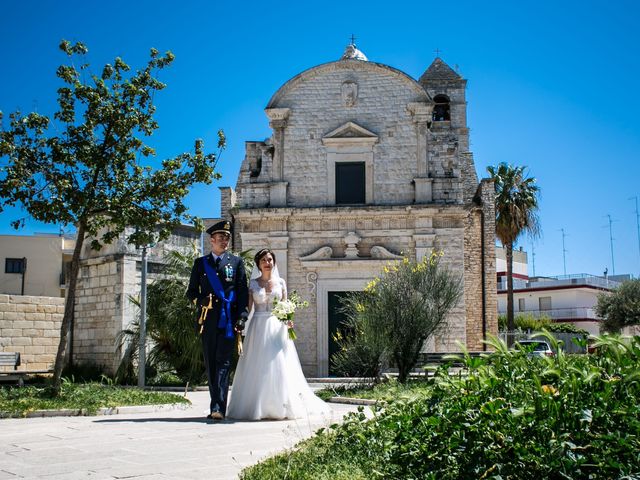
142,360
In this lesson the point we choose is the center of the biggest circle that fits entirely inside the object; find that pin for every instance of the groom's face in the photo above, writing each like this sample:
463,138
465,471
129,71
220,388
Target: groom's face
220,243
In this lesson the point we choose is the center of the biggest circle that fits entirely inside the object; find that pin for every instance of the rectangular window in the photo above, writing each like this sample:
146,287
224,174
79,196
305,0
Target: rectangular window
545,303
350,183
521,304
14,265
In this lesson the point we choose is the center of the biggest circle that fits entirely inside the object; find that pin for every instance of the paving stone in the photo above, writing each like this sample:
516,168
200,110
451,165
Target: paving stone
166,444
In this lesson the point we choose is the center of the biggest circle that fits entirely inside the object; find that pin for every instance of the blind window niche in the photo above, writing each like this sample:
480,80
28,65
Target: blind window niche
350,183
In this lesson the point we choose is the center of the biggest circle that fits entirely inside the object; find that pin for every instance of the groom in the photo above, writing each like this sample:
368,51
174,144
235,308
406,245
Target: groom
218,286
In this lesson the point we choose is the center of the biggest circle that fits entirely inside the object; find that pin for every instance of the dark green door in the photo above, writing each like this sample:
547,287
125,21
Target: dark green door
336,317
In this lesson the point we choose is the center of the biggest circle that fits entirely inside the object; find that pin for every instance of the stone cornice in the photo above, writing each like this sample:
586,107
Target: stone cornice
278,114
348,65
349,264
377,211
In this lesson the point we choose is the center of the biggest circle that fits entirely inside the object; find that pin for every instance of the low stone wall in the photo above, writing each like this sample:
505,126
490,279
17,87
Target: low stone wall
31,326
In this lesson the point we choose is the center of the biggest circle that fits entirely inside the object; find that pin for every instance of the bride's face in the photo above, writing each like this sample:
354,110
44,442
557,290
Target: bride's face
266,263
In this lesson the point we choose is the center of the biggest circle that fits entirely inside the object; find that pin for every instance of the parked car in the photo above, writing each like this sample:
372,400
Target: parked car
536,348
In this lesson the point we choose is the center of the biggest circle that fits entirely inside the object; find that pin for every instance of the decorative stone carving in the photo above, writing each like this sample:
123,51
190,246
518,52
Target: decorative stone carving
320,254
312,278
349,92
379,252
352,239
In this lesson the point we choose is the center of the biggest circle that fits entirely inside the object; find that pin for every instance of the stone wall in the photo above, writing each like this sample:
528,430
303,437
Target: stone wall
311,251
480,291
31,326
107,282
103,308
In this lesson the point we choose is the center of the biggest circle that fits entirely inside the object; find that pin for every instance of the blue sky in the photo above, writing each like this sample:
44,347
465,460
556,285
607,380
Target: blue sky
551,85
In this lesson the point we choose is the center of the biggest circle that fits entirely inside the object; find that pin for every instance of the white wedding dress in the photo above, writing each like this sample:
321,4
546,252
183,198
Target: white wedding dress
269,383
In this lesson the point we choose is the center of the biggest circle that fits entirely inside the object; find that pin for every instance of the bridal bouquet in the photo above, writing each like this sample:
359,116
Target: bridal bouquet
285,309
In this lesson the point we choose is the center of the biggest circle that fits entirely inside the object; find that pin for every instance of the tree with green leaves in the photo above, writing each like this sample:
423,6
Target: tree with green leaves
89,166
398,311
620,308
516,213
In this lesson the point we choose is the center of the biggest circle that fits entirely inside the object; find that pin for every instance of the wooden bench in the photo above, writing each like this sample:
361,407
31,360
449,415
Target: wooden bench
12,360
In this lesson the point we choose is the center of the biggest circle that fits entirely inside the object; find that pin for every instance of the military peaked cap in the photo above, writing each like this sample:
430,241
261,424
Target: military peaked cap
221,227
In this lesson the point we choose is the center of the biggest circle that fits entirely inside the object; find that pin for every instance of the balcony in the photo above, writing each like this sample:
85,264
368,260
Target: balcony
561,314
577,280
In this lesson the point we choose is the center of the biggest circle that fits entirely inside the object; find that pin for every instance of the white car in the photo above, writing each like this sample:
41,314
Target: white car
536,348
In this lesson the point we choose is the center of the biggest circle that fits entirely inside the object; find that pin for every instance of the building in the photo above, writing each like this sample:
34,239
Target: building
107,281
563,298
366,165
35,264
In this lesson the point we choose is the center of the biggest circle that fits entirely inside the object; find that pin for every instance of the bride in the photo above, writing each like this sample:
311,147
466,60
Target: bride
269,382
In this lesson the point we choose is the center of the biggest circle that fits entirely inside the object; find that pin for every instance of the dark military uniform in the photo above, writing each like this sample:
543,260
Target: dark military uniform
217,346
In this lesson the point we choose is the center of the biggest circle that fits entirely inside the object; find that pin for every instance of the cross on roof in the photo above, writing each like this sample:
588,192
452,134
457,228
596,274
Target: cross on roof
353,39
437,52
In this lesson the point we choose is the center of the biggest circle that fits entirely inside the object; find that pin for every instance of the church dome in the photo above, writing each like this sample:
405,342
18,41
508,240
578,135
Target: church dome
352,53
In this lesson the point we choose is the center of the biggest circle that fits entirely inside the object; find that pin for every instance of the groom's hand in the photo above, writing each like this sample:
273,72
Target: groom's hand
241,322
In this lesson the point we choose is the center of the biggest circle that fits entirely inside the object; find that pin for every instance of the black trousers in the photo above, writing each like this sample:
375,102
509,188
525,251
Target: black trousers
218,353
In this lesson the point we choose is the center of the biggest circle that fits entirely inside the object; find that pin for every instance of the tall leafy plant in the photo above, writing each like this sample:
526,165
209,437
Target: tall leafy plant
401,309
620,308
89,165
174,343
516,213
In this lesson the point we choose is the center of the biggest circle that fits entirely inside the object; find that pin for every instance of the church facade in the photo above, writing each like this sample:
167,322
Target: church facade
367,165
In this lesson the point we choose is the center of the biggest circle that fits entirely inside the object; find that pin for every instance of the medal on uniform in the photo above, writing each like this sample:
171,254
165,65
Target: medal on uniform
228,272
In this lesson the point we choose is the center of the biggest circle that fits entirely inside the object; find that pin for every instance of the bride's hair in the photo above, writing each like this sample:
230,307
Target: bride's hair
263,253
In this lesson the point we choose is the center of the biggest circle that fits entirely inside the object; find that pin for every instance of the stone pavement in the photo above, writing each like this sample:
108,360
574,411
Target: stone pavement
167,444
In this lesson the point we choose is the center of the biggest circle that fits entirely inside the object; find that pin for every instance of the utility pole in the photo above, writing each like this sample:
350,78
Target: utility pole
637,222
142,360
613,265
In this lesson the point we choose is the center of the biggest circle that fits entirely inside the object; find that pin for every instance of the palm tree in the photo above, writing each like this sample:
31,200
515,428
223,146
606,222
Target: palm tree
516,213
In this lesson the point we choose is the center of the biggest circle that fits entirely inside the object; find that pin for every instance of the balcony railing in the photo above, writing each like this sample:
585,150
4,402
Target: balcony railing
561,313
561,280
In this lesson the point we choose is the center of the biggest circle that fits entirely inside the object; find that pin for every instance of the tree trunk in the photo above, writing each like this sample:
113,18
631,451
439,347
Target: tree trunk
403,373
69,309
510,320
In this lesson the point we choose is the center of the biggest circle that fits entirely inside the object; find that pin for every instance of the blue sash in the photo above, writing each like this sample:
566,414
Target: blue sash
225,311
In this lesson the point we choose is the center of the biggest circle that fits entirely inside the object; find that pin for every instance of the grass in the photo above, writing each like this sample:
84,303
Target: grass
386,391
88,397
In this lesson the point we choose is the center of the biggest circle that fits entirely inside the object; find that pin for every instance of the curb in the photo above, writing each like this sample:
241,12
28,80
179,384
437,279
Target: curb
353,401
80,412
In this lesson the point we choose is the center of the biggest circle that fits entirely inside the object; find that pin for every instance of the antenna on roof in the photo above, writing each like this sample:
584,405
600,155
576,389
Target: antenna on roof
637,220
613,265
533,259
564,252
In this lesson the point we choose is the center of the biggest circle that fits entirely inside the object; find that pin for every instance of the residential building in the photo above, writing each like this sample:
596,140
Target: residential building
35,264
563,298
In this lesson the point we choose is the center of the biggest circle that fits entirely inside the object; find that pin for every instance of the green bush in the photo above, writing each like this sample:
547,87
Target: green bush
510,416
620,308
528,322
398,311
565,328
